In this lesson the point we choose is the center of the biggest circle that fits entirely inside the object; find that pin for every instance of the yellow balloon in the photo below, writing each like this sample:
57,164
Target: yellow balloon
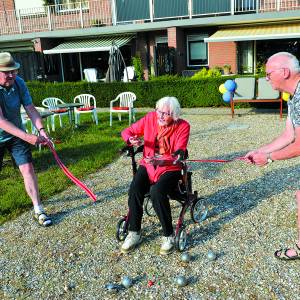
286,96
222,89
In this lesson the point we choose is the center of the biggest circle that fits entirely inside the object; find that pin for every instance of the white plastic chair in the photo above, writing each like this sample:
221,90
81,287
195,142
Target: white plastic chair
51,104
90,74
130,72
26,120
42,110
89,106
123,104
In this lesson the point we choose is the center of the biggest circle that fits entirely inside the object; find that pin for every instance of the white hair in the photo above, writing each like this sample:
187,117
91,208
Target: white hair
173,105
288,60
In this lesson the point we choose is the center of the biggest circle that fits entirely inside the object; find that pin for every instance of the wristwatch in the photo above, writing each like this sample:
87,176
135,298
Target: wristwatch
269,159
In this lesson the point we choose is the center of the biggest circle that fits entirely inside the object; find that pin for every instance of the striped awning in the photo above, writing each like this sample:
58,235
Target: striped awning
261,32
89,45
22,46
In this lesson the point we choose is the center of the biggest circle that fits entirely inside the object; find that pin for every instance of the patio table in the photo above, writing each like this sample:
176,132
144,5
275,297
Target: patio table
45,113
70,107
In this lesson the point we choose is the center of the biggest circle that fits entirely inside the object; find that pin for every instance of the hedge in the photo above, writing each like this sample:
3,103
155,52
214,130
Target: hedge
191,93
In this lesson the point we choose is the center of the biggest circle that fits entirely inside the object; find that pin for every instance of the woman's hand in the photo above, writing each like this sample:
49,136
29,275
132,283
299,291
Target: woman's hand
135,141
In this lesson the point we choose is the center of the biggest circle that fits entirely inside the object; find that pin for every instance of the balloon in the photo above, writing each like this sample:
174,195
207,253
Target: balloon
227,96
230,85
286,96
222,89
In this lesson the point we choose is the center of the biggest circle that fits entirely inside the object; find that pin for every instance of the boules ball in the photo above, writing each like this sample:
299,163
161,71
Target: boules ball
185,257
211,255
126,282
181,281
112,288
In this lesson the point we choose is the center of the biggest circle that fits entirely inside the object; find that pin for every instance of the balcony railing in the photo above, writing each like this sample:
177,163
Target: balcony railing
114,12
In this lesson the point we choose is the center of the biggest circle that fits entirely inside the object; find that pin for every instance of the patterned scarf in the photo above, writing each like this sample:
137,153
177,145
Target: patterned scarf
163,137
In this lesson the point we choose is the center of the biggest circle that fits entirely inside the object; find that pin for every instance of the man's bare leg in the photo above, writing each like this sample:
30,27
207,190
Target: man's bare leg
30,182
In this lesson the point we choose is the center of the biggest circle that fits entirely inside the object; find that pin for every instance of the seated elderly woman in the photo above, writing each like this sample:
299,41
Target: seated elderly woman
164,134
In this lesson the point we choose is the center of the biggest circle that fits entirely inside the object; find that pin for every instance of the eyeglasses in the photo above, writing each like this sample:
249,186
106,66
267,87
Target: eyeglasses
163,114
268,75
12,73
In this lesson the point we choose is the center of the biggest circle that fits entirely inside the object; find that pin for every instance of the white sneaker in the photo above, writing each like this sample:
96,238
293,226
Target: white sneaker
167,246
132,240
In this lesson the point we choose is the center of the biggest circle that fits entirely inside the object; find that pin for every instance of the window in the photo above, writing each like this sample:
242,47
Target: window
245,57
70,5
29,8
197,50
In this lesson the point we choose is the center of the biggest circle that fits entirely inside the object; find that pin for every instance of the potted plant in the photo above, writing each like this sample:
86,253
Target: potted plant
227,69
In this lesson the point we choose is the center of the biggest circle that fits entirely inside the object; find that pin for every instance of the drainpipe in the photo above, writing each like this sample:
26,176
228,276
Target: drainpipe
19,20
278,5
49,18
232,7
113,12
190,8
151,10
81,17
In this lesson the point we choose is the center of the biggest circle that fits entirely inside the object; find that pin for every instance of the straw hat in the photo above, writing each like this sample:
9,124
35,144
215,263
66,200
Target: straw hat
7,62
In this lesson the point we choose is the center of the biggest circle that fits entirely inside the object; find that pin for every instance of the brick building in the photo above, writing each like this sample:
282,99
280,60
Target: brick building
59,40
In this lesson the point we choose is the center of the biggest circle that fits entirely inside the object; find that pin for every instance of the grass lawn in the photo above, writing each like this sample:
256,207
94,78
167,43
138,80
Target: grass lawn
83,150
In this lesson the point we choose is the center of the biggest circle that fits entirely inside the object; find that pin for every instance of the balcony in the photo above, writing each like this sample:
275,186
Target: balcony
97,13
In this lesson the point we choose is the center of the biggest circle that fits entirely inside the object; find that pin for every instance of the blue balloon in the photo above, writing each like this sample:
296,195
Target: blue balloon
227,96
230,85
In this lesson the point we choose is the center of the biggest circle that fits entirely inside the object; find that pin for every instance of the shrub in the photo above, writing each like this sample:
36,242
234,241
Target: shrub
165,77
191,93
204,73
138,68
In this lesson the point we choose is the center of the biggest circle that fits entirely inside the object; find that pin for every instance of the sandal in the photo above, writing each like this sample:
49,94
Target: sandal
282,253
43,219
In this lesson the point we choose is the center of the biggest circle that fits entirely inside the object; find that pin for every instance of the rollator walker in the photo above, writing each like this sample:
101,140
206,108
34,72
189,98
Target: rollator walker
183,194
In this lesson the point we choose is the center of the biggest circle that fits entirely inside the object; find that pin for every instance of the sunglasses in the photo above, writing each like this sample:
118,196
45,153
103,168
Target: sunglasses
164,114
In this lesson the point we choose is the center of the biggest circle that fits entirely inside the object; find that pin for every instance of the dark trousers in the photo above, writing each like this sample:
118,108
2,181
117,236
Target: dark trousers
140,186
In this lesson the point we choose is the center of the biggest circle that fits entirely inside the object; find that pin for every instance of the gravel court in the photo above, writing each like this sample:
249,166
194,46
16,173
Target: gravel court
252,213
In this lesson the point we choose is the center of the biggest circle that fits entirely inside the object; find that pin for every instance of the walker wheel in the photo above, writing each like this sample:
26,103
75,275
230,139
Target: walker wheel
198,210
122,229
181,239
148,207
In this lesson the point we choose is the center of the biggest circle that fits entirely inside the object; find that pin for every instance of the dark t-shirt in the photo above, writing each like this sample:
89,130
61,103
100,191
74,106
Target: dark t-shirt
10,103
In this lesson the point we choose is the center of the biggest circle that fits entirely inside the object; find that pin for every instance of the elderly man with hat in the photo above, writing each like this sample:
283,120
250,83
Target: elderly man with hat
13,137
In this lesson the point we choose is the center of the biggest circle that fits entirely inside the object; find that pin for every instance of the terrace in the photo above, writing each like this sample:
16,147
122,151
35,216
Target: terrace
89,14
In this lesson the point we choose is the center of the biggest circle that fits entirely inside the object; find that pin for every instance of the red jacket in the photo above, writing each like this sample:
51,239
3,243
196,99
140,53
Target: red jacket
147,127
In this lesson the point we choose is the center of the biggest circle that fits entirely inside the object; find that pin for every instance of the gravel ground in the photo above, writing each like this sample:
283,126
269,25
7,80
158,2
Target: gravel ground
252,213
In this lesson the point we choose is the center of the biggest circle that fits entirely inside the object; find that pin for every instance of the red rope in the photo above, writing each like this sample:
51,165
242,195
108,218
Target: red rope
70,175
215,160
169,162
